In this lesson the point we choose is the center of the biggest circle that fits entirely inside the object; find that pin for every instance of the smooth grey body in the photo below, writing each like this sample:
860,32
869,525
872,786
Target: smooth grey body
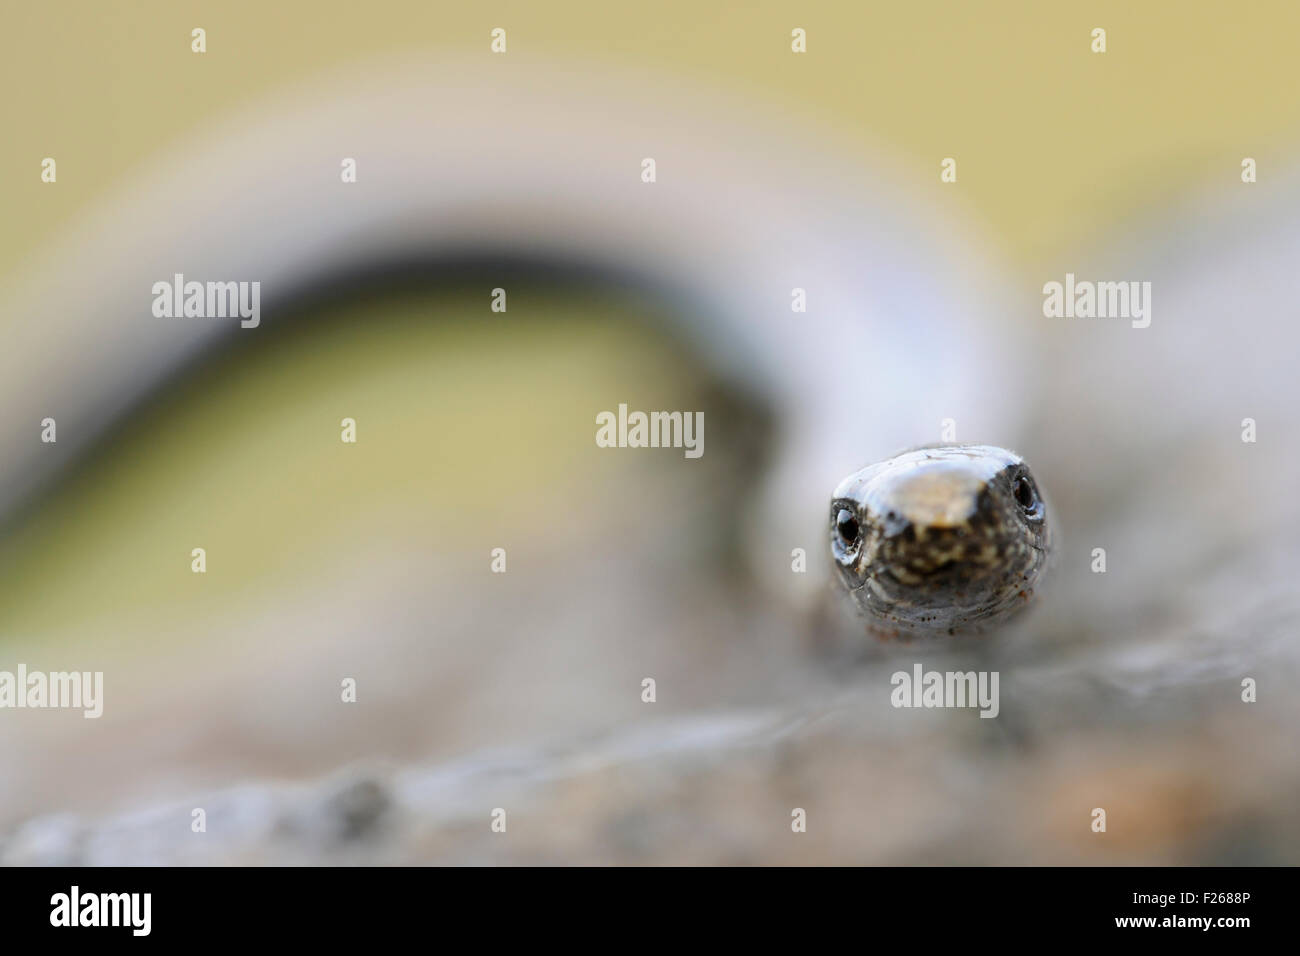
519,160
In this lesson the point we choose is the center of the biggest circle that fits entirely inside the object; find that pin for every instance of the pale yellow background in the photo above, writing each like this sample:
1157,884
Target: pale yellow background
1057,148
1054,142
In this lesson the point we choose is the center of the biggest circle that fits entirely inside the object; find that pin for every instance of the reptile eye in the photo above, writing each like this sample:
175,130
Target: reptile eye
1024,493
846,526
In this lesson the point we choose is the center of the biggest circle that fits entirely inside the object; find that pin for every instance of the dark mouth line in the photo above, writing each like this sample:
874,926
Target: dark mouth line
947,566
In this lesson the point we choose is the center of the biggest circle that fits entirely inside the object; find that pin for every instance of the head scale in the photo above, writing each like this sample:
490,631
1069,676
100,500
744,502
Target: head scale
941,539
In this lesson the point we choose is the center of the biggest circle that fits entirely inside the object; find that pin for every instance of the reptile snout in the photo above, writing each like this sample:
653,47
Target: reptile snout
940,539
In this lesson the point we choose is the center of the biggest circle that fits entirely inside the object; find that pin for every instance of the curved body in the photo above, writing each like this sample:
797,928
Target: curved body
528,162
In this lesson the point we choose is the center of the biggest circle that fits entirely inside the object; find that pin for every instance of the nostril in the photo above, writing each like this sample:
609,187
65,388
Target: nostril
896,525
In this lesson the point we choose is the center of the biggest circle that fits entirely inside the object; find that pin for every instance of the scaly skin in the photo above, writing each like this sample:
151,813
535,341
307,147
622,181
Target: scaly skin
940,540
